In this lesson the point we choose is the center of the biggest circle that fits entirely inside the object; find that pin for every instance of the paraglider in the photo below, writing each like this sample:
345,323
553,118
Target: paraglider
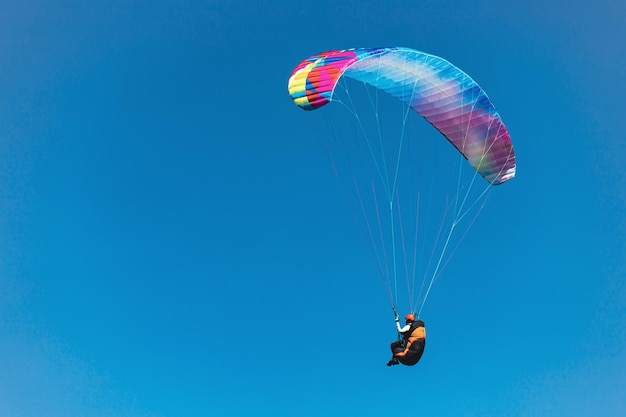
409,347
412,191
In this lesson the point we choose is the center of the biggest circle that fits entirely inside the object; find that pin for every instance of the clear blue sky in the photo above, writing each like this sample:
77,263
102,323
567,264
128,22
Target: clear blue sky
173,241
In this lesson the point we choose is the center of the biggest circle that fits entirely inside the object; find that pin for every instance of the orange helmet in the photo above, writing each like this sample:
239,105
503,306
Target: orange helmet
409,317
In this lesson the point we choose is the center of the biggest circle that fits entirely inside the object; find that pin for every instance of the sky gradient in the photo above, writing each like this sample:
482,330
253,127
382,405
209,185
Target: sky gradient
173,241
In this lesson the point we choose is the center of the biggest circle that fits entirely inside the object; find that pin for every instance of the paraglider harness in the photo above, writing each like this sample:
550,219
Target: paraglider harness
410,350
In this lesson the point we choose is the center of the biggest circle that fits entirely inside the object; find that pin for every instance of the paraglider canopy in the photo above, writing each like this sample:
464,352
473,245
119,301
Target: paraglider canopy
443,94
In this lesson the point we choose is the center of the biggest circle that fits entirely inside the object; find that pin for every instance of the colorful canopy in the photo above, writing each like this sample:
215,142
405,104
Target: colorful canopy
440,92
